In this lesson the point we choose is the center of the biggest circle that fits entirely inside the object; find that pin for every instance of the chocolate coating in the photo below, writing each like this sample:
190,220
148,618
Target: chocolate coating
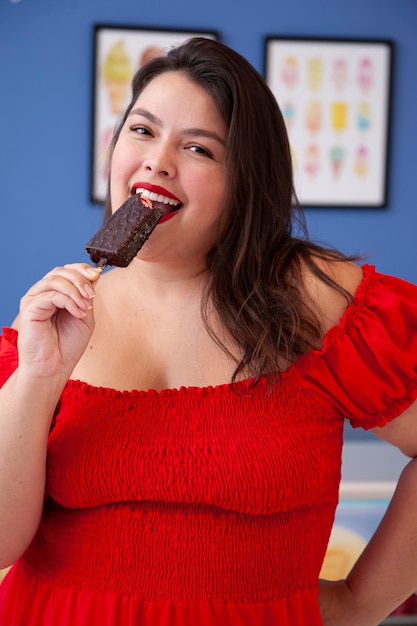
123,234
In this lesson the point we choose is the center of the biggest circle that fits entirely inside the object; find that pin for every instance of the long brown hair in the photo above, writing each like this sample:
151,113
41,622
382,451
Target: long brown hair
255,268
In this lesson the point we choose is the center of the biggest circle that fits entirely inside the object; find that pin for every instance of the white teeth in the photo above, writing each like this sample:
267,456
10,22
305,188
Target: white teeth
143,192
154,196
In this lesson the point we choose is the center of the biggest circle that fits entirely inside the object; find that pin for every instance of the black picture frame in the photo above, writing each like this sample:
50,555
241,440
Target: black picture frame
335,95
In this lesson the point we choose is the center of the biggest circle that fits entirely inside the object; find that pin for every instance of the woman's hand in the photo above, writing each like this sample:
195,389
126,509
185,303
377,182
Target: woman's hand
56,320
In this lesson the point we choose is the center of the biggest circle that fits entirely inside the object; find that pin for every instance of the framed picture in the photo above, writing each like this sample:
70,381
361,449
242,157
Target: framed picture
361,508
334,95
119,51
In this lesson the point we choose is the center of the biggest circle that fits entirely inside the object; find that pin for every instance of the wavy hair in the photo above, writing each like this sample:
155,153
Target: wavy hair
255,267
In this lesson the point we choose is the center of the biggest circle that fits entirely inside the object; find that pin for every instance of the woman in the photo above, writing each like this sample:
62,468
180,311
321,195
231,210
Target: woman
186,412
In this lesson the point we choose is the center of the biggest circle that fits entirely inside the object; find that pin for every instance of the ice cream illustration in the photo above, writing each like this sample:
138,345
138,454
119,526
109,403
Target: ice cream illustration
289,112
339,74
314,73
312,159
364,115
294,158
105,140
117,74
361,164
149,53
365,74
337,158
314,116
344,548
3,572
290,71
339,113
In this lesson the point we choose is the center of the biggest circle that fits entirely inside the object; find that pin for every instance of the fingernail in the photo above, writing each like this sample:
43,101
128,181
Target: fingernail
88,290
93,271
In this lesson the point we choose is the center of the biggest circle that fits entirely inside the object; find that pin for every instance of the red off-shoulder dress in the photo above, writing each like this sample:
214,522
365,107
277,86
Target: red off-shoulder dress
208,506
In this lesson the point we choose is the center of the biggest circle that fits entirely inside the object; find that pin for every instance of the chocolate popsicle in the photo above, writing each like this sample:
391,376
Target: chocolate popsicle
123,234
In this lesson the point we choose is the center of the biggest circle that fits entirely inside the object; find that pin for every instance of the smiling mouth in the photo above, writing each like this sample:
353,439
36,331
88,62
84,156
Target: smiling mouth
165,204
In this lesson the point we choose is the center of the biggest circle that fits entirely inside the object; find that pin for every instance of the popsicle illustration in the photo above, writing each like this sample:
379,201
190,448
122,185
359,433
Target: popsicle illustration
365,74
314,116
361,165
314,73
339,112
290,71
340,73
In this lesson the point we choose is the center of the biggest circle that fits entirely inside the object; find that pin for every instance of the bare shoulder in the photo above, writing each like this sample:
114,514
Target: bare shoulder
15,323
328,301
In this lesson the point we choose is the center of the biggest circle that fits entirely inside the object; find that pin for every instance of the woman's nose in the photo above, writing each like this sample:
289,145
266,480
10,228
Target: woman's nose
160,161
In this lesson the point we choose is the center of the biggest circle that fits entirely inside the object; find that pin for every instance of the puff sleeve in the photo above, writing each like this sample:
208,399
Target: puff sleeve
367,367
8,354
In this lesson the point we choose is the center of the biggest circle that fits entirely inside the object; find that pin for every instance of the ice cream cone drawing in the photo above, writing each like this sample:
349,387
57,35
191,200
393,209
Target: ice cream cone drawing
314,73
289,112
314,116
361,164
337,158
117,74
339,113
363,116
290,71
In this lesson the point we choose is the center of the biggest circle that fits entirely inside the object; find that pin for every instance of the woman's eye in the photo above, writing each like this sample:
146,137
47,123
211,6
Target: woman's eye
141,130
200,150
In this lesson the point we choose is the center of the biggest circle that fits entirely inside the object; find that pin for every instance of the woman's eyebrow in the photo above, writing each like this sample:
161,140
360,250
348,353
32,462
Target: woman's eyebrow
201,132
149,116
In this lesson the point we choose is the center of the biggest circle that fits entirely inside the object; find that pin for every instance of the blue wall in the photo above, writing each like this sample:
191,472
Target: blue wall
46,49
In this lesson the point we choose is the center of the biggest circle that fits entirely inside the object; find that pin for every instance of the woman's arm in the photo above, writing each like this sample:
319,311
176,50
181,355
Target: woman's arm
55,324
26,410
386,573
